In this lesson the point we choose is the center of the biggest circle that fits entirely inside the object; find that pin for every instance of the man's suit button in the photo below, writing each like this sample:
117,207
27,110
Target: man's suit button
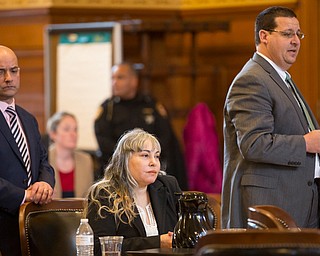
25,181
310,183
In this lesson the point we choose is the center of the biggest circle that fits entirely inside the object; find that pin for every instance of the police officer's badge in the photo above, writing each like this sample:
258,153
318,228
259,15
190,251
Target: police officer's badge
161,109
148,115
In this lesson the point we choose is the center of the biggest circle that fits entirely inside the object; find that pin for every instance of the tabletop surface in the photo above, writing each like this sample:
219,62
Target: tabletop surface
163,252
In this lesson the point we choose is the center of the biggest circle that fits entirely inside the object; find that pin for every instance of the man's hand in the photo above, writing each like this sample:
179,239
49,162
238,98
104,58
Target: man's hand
40,192
313,141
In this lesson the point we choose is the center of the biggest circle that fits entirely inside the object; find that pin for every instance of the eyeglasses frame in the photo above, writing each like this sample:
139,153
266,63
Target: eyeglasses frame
288,33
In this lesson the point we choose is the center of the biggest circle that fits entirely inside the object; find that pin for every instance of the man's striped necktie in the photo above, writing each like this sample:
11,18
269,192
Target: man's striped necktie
20,140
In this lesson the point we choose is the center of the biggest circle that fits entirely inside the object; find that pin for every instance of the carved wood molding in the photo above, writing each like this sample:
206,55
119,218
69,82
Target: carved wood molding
174,25
139,4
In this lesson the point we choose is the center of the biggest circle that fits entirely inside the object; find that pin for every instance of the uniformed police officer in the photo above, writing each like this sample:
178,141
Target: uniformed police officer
127,109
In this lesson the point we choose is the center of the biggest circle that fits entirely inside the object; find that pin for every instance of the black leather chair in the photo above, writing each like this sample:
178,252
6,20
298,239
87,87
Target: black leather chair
50,229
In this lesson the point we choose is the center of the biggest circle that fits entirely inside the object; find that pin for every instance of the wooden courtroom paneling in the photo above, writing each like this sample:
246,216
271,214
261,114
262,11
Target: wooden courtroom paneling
188,56
306,70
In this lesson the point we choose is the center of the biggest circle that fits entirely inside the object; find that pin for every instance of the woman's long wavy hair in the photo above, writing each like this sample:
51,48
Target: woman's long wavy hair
117,185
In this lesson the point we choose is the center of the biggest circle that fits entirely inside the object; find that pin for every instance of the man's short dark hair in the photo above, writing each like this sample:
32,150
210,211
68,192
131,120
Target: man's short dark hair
266,19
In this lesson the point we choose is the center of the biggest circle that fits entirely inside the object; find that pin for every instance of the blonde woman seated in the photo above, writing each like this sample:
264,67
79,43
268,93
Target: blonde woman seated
74,169
134,199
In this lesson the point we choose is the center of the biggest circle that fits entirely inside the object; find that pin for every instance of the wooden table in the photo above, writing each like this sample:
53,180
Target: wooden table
163,252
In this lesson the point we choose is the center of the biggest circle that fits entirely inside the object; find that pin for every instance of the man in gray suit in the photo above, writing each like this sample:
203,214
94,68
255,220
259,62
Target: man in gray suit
269,146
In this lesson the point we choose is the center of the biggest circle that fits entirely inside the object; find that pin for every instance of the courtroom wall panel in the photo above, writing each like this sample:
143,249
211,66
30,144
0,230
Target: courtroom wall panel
188,56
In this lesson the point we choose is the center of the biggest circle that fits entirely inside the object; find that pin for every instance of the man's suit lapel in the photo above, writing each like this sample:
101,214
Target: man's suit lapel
277,79
5,130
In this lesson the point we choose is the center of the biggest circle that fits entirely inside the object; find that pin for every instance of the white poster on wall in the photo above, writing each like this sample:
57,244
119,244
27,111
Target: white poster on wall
83,79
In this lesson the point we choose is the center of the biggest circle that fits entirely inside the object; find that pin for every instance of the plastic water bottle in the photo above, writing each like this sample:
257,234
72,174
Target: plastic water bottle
84,239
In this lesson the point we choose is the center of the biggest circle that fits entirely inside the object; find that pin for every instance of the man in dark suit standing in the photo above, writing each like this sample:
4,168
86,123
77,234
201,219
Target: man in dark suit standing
271,136
25,176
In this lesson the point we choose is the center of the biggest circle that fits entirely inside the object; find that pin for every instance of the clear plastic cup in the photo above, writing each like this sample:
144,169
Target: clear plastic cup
111,245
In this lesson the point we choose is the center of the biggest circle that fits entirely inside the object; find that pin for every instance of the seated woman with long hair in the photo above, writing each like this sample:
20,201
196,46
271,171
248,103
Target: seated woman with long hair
134,199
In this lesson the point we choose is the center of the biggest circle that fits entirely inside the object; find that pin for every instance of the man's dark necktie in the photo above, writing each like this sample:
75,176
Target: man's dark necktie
300,101
20,140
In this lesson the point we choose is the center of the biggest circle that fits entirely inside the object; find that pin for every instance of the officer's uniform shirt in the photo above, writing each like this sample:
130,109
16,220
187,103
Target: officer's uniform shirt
116,116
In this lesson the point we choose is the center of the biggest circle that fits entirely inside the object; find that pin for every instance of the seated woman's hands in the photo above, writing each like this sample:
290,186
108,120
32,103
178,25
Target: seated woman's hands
166,240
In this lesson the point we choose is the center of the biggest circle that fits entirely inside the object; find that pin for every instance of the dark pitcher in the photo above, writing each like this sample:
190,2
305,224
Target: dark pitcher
193,219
